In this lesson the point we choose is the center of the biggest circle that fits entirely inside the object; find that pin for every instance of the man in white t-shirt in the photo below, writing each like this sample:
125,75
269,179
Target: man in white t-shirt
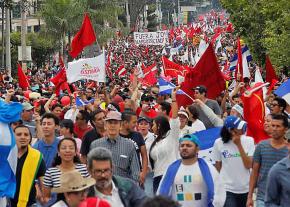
232,154
192,181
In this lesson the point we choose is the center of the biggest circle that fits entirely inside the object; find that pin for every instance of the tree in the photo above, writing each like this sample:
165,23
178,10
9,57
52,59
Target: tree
152,18
264,24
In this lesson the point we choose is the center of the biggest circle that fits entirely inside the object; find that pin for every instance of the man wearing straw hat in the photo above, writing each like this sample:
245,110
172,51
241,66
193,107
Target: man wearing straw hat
74,189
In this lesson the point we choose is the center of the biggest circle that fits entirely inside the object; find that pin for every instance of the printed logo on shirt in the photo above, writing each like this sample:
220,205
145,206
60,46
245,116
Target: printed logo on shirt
227,154
180,195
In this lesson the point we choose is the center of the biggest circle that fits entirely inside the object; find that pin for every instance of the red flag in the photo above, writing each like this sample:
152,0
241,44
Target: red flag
23,82
121,71
254,114
239,68
60,82
206,72
149,75
270,71
172,69
85,37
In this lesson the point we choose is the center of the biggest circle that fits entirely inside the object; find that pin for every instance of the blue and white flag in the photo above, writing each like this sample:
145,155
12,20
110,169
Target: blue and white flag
8,150
284,91
207,138
80,102
166,87
245,53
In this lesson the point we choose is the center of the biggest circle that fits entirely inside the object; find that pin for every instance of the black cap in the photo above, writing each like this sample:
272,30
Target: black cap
201,89
143,119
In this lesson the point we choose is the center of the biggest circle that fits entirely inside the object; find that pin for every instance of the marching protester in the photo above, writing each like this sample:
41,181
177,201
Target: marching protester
118,191
191,181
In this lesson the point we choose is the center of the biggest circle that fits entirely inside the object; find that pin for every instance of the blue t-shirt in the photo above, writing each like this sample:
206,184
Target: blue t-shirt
48,151
266,156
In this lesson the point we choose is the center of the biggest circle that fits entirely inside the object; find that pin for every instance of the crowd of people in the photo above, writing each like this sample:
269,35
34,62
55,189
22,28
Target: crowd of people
130,146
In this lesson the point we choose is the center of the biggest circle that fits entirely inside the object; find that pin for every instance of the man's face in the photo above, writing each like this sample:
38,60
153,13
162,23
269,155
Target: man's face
48,126
275,108
143,127
80,119
278,130
112,127
236,100
188,149
132,123
22,137
27,115
198,95
99,120
102,172
268,125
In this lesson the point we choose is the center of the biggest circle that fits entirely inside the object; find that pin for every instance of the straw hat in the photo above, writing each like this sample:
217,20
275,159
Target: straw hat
73,181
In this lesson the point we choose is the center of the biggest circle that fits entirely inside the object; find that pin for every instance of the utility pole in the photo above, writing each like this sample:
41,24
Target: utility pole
178,12
8,44
24,7
128,14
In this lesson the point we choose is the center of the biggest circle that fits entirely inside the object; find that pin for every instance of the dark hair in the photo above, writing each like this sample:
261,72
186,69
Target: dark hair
163,127
281,102
225,134
127,115
193,111
236,96
85,115
159,201
282,118
93,114
50,116
68,123
165,106
26,127
57,159
55,106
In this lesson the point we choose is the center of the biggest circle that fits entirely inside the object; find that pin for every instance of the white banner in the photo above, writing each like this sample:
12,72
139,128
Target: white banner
151,38
90,69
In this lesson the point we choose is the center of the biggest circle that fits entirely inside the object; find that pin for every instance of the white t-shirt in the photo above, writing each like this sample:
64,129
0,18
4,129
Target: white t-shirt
165,151
233,172
190,189
195,127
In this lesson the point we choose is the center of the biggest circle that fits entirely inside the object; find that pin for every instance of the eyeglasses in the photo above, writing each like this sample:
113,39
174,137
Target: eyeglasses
273,105
101,172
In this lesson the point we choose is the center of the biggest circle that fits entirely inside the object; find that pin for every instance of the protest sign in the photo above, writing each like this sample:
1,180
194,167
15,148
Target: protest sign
151,38
89,69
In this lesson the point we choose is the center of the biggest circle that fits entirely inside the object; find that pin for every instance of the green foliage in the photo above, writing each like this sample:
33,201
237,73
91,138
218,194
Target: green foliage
264,24
151,18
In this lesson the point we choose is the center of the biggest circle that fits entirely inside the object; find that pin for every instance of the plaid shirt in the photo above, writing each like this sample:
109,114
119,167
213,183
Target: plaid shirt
125,160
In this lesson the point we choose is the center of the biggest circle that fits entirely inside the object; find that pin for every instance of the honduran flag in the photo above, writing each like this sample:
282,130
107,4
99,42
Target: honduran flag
245,53
80,102
8,150
166,87
284,91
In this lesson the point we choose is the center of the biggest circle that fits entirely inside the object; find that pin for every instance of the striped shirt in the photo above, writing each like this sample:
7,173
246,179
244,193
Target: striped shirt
125,160
52,175
266,156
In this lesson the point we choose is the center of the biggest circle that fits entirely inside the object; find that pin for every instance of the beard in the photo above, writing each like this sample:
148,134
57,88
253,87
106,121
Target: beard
103,183
188,156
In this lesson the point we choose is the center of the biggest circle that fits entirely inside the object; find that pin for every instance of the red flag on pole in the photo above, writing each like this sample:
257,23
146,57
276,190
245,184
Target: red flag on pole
206,72
172,69
254,114
270,71
85,37
22,79
239,68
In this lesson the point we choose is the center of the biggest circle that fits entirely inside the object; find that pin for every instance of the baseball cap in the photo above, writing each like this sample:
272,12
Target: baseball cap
233,122
239,109
200,89
190,137
27,106
143,119
113,115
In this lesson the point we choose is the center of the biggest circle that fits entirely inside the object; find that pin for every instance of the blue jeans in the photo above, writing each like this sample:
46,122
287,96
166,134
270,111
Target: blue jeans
260,203
149,185
236,200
